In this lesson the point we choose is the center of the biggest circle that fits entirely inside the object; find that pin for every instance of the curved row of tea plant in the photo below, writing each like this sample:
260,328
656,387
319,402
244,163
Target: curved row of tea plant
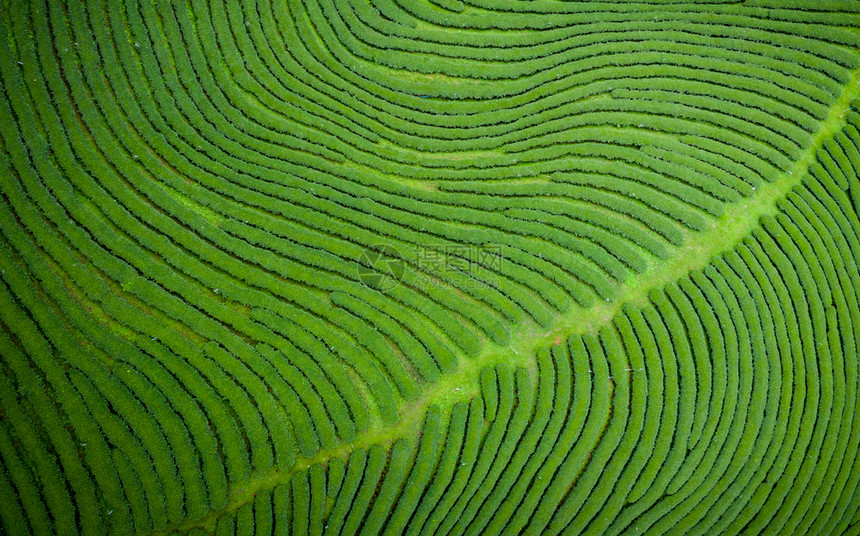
307,267
697,414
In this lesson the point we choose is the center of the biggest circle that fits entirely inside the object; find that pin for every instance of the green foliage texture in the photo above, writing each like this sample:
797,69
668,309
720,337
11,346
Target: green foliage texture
429,267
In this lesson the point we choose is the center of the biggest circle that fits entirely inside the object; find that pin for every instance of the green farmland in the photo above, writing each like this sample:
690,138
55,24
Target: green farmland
429,267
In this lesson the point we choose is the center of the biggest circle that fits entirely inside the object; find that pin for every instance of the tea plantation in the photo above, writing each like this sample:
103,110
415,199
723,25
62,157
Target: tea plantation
429,267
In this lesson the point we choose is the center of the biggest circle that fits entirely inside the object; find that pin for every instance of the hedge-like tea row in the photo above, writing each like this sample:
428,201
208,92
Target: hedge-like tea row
700,413
429,267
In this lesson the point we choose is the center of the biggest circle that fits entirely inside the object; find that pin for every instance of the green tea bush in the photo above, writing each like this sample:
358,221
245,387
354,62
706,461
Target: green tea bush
464,267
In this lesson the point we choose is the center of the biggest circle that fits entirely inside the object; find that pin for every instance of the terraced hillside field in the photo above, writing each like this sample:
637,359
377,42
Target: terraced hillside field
429,267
